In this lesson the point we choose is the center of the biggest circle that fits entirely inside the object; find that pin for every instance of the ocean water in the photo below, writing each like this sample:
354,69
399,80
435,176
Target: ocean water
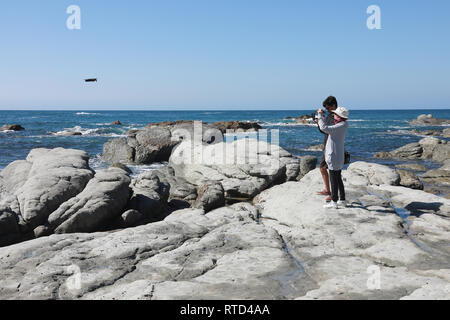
370,131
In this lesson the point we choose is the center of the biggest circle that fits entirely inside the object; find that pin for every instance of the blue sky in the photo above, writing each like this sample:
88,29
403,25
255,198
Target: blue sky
246,54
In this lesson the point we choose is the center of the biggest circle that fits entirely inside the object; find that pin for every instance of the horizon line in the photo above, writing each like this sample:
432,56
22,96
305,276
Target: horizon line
238,109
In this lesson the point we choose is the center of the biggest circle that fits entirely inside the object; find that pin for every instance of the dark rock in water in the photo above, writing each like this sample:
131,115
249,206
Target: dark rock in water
70,133
154,145
121,166
12,127
412,166
434,133
409,180
318,147
427,148
223,126
428,120
289,118
170,123
382,155
156,142
409,151
211,196
116,123
305,119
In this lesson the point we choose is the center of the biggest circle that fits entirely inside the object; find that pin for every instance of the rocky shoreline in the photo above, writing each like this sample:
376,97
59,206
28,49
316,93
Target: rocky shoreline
237,220
430,148
283,245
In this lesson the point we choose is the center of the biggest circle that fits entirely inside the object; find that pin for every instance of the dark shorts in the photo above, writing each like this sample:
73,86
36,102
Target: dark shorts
323,163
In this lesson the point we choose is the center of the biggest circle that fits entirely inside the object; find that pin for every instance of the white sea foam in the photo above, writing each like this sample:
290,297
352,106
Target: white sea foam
284,124
86,113
139,169
97,163
95,132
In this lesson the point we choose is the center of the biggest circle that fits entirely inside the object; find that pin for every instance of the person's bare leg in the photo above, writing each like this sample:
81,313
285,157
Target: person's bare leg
326,179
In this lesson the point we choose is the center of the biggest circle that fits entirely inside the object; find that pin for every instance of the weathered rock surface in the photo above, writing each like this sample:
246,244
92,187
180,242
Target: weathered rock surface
154,144
427,148
365,173
244,167
31,190
100,203
339,250
439,177
156,141
149,196
409,180
446,133
15,175
221,254
223,126
285,246
118,150
307,164
129,218
428,120
210,196
9,220
55,176
180,189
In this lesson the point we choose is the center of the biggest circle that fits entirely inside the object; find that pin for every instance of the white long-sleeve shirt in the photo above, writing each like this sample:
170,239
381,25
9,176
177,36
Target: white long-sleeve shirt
334,149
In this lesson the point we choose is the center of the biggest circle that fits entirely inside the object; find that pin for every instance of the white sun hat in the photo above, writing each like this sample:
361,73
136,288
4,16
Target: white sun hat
342,112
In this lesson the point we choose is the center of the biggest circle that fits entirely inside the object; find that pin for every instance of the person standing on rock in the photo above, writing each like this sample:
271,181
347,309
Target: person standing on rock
334,153
330,104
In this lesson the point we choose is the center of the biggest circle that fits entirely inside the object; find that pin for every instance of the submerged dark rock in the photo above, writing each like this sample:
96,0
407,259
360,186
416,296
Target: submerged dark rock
427,148
12,127
428,120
